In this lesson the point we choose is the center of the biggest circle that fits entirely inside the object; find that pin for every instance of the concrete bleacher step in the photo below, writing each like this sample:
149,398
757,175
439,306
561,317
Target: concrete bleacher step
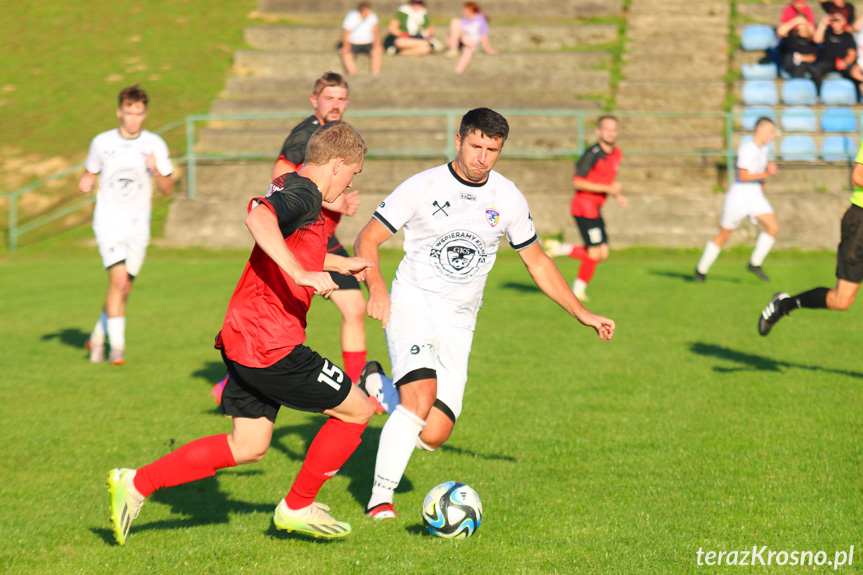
765,12
578,81
452,8
281,64
502,37
667,95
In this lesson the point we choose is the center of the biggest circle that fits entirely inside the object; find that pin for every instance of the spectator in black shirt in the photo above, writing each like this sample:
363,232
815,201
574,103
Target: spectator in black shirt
838,50
840,6
798,52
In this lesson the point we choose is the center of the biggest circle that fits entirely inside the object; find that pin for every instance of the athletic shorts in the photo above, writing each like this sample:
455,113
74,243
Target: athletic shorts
344,282
744,200
115,250
423,336
302,380
592,230
849,256
361,48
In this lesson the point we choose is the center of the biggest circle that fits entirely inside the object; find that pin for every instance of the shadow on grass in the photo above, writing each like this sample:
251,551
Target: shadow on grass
471,453
212,372
751,362
71,336
527,288
194,504
691,277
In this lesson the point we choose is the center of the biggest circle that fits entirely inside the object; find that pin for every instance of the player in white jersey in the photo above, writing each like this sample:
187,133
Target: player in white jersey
454,217
125,161
745,199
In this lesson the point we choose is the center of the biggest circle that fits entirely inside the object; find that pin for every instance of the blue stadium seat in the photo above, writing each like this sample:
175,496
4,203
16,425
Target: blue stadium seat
760,93
799,119
838,120
799,92
758,37
752,115
838,149
759,71
838,92
798,149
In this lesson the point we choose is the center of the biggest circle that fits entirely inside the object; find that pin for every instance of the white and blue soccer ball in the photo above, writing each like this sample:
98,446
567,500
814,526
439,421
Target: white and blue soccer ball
452,510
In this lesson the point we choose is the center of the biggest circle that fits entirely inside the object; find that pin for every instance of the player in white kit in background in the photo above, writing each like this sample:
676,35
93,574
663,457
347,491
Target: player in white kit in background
125,160
745,198
454,216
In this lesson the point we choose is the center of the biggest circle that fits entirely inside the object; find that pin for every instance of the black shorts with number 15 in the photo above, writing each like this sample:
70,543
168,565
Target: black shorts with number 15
301,380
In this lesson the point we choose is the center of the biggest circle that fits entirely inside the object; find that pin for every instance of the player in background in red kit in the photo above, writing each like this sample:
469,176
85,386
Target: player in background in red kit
594,178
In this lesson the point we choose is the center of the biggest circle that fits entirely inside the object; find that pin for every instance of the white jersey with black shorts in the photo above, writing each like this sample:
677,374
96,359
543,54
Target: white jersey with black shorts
746,199
121,220
452,232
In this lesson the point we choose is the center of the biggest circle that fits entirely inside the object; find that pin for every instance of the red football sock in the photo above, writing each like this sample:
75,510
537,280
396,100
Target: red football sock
585,271
196,460
354,363
332,446
578,252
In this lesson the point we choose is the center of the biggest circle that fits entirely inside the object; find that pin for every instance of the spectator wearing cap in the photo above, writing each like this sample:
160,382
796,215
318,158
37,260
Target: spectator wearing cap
838,50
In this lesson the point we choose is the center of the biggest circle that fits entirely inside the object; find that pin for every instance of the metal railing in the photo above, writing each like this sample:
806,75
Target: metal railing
15,230
450,120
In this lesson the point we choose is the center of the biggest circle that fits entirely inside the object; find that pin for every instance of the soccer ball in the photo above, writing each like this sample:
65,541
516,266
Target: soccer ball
452,510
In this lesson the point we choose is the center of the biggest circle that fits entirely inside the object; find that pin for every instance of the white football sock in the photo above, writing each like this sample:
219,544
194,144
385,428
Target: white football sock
397,442
563,249
117,332
763,245
579,286
711,252
98,335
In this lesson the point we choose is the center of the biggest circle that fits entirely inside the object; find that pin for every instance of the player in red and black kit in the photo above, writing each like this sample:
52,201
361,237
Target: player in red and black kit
330,100
593,181
261,342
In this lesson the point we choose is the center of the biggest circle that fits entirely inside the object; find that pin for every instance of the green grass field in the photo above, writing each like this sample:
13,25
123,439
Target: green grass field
687,431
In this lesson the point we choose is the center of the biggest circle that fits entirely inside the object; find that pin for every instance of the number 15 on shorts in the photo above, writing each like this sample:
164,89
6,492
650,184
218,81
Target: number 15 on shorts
332,375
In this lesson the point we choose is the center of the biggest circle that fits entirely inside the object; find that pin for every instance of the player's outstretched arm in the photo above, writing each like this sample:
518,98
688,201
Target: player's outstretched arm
357,267
549,279
264,227
366,247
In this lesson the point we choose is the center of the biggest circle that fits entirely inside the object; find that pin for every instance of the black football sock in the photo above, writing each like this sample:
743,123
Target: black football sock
814,298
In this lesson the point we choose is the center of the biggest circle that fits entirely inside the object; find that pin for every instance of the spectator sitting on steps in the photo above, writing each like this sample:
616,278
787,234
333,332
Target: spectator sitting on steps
410,31
360,36
797,52
467,34
838,50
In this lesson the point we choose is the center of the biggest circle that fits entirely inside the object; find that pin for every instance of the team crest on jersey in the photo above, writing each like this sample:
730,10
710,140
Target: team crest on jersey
492,216
458,255
124,184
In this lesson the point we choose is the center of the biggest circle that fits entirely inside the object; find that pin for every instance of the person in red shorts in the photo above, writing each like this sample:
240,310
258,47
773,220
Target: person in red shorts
261,343
594,178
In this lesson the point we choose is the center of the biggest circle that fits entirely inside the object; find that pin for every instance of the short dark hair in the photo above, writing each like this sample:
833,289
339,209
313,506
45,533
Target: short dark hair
488,122
132,94
762,120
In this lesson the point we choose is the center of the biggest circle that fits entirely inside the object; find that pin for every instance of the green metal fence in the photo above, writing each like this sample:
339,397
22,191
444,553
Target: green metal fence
450,120
17,230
